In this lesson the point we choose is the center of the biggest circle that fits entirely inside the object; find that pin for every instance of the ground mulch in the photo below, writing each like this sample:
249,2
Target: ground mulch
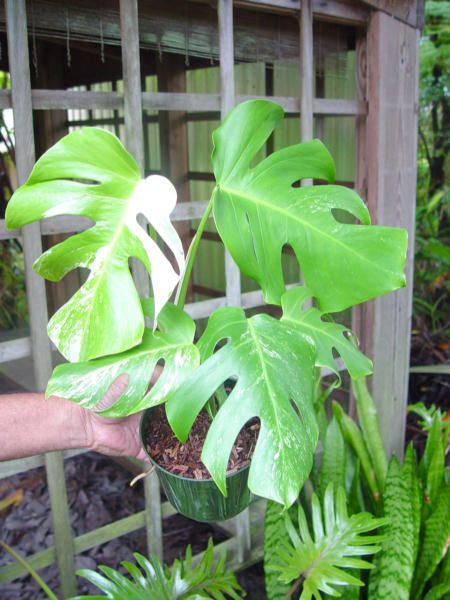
184,459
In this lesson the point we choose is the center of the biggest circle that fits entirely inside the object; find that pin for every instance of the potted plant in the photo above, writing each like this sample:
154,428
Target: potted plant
257,210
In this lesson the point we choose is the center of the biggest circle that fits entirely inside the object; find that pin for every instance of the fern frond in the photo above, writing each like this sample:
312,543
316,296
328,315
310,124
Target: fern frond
322,556
182,581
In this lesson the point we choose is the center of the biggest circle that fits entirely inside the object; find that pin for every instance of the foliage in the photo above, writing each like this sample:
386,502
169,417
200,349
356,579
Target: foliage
183,580
89,173
320,559
13,301
432,258
258,210
414,498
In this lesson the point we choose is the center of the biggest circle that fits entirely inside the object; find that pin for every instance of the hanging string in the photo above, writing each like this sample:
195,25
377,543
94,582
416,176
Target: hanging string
34,57
69,57
102,41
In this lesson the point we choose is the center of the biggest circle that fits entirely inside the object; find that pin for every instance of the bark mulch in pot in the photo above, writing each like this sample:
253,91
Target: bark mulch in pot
184,459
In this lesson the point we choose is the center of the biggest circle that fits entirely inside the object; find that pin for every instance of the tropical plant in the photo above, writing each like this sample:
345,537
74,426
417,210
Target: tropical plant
183,580
413,498
257,210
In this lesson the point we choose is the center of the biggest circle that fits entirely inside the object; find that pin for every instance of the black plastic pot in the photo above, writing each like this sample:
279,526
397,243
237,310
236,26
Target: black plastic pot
201,500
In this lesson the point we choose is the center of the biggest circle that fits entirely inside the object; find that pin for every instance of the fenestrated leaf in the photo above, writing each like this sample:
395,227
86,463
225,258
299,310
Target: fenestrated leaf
89,173
258,211
86,383
325,558
274,370
326,335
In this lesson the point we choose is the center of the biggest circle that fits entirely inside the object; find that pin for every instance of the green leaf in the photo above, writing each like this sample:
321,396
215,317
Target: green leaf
368,420
326,335
324,558
438,592
432,465
436,540
87,383
258,211
333,467
275,535
392,577
354,438
275,376
89,173
411,476
207,579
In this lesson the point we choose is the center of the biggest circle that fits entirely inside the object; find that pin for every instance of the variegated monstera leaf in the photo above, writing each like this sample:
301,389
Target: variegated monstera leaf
89,173
274,368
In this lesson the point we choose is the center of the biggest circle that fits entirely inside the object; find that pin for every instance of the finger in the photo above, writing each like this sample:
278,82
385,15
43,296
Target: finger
115,390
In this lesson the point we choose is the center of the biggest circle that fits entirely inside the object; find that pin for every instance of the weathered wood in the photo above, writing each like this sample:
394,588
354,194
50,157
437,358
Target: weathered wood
407,11
83,542
32,247
331,10
307,71
14,349
153,515
227,101
391,180
134,128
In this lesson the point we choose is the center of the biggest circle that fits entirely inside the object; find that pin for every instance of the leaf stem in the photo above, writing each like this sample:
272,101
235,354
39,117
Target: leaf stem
183,287
294,588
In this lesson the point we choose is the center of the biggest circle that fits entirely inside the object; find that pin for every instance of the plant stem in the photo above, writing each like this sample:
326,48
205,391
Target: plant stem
294,588
183,287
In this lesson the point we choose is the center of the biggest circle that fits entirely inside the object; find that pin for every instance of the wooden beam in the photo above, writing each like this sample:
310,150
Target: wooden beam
16,16
409,12
392,51
329,10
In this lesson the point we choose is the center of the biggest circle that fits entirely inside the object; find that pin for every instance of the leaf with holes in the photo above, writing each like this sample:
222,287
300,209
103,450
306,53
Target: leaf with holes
274,369
90,174
86,383
325,334
258,211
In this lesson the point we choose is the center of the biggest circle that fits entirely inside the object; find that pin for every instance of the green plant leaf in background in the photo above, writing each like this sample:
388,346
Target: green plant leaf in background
258,211
392,577
275,536
86,383
323,560
90,174
432,465
325,334
436,539
275,377
182,581
334,459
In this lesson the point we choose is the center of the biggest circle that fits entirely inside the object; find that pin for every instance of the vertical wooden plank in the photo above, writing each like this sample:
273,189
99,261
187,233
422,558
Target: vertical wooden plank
232,275
134,129
16,17
227,101
134,141
362,315
307,70
391,180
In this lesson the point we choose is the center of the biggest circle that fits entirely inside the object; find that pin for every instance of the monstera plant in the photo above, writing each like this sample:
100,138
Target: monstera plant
105,330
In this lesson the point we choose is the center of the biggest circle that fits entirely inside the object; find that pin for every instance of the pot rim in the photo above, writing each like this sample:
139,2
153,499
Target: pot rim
190,479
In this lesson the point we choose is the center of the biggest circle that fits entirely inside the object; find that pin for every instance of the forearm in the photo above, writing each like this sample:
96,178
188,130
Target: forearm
32,425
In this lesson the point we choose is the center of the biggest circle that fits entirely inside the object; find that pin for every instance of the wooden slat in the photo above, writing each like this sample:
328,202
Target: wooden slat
407,11
83,542
307,71
65,99
15,349
330,10
180,101
37,308
391,178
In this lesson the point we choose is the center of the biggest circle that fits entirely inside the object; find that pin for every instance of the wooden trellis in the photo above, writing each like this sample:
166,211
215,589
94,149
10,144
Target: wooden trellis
386,117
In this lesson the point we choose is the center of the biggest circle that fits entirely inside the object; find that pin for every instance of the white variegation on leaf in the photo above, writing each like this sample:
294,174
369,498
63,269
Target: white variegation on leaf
326,335
89,173
87,383
274,368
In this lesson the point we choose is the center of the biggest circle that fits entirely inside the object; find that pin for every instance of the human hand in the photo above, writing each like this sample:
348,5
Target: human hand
115,437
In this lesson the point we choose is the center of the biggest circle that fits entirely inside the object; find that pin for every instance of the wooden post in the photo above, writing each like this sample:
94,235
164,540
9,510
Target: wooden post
307,71
232,273
174,137
391,182
134,141
16,18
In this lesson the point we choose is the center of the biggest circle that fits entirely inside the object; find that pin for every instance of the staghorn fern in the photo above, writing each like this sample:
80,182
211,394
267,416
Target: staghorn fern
321,562
183,580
